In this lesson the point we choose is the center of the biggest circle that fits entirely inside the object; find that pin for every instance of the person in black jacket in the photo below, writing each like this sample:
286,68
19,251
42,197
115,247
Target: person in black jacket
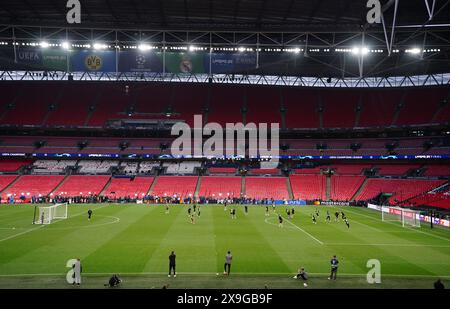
172,258
438,285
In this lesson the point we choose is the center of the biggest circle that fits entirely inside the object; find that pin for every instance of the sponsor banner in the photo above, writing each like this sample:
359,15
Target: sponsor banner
136,61
222,63
186,62
335,203
297,202
375,207
93,61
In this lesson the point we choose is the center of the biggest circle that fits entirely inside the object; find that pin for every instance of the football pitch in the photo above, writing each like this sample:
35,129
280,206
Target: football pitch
134,241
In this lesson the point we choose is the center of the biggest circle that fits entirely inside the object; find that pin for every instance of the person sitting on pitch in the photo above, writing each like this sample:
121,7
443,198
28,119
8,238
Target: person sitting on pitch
302,274
113,281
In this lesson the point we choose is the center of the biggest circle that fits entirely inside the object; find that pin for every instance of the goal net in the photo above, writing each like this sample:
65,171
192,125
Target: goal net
46,214
406,217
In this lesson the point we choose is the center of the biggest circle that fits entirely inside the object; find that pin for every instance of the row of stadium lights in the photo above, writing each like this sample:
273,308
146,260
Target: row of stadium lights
146,47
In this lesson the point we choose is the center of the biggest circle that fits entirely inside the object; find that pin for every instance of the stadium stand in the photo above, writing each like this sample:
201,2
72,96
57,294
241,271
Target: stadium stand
32,185
181,186
222,170
146,167
437,170
266,187
343,188
308,187
394,169
402,189
52,166
5,180
136,187
220,187
13,165
96,167
82,185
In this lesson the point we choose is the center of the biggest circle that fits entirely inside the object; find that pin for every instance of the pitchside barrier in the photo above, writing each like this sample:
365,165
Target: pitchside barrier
418,216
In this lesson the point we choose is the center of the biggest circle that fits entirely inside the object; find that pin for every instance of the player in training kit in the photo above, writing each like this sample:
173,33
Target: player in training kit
195,207
89,214
280,221
167,208
273,207
314,219
225,206
246,209
317,213
328,216
343,215
198,212
346,223
227,265
292,213
267,211
336,216
192,218
302,274
334,268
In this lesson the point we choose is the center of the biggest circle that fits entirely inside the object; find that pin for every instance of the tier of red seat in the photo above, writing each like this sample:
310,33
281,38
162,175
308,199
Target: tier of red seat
97,103
265,187
82,185
32,185
13,165
402,189
128,187
181,186
343,188
308,187
220,187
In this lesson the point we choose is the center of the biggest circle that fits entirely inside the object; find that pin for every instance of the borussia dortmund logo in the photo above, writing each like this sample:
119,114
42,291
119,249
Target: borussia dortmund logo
93,62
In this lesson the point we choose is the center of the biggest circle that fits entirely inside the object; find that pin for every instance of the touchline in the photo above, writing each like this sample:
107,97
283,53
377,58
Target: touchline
229,141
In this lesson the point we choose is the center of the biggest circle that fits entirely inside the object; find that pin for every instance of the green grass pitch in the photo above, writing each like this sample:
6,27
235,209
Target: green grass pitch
135,241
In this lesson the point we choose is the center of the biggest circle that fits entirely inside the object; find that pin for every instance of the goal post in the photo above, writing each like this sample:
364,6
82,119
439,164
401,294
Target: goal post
46,214
406,217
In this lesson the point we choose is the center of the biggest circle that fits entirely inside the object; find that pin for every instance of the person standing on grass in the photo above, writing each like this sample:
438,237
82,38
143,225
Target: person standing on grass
77,269
89,214
328,219
334,268
227,265
280,221
267,211
172,258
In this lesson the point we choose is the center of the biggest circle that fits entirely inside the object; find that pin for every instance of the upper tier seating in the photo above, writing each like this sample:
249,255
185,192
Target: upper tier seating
5,180
222,170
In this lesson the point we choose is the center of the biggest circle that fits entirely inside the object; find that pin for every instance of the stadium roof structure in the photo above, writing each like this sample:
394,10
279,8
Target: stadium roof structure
413,37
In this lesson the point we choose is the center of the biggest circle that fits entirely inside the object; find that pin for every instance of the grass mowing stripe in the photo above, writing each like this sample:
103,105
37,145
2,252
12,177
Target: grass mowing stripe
412,229
40,226
299,228
243,274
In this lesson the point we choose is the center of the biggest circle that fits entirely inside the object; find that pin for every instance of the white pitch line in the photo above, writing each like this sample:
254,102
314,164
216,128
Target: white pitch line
381,245
214,274
40,226
24,232
305,232
418,231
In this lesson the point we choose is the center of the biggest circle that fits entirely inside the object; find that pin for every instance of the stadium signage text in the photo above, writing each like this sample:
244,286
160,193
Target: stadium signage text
213,147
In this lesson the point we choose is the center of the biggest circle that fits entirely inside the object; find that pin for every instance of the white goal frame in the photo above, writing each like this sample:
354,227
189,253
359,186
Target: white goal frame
406,216
46,214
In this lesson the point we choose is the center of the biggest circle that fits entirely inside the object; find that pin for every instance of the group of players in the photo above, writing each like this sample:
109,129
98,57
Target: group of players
194,212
